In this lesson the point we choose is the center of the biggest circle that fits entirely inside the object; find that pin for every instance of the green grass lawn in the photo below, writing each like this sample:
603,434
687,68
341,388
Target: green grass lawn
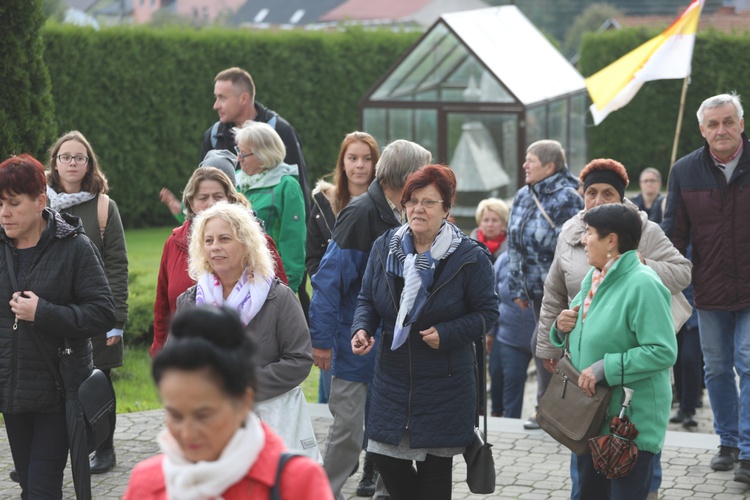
133,385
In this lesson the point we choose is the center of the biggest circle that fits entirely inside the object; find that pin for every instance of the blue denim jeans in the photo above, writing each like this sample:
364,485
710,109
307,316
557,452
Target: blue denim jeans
496,379
514,363
725,340
575,490
634,486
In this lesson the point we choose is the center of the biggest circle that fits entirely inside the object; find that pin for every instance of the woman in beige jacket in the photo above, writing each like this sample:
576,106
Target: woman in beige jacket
604,181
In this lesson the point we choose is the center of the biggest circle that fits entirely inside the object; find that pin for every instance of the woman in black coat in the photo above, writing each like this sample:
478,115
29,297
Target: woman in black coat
53,282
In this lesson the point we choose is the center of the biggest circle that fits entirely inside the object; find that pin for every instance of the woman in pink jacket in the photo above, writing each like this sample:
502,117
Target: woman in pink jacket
214,445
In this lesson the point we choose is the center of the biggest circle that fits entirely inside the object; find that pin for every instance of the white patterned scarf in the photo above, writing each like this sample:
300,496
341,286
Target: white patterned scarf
61,201
418,271
187,480
247,296
246,182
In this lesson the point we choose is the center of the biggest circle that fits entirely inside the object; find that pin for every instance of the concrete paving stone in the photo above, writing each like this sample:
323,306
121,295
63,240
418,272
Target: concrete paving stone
529,463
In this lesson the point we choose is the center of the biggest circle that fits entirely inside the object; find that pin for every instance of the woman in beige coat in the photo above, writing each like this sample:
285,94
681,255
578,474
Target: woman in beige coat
604,181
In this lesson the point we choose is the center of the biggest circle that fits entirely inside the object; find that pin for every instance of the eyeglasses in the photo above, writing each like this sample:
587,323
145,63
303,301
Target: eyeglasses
241,155
427,204
649,181
79,159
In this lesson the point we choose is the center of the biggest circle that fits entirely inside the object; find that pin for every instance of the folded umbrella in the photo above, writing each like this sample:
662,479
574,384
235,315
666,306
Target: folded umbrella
615,454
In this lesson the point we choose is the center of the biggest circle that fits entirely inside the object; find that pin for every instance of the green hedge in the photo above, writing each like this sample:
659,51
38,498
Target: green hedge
26,108
144,97
641,134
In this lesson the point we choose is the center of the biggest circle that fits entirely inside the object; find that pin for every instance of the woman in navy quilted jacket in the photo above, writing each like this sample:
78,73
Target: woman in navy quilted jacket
432,287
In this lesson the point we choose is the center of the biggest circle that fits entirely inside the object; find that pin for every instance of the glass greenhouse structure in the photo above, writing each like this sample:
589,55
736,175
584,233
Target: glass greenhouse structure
476,90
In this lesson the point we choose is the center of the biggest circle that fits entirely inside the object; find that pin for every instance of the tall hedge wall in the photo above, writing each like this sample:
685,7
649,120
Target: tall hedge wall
144,97
26,108
641,134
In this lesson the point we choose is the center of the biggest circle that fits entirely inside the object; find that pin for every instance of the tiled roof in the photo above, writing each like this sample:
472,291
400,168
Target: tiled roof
368,9
722,20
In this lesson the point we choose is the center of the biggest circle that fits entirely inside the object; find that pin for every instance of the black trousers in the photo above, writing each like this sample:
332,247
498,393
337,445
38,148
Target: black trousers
39,445
430,480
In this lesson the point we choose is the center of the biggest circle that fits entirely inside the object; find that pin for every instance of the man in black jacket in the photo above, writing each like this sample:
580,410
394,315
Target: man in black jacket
708,206
235,103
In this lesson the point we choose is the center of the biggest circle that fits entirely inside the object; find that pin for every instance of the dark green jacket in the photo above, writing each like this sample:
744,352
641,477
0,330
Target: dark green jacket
115,256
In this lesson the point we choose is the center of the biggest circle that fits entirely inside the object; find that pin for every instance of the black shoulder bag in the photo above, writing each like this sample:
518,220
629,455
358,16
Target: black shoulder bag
480,465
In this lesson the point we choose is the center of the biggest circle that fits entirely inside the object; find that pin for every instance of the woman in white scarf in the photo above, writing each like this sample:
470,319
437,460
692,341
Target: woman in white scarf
214,447
232,267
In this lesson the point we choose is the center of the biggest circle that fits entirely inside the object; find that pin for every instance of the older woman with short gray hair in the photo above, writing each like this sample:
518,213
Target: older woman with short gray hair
273,189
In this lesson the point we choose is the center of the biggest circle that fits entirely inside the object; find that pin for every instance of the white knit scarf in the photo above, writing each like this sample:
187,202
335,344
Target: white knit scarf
61,201
186,480
247,296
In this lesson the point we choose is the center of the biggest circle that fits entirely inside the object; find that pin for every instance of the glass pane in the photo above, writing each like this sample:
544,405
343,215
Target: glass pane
536,124
426,69
558,122
483,152
373,122
576,150
425,130
400,124
476,83
441,68
411,61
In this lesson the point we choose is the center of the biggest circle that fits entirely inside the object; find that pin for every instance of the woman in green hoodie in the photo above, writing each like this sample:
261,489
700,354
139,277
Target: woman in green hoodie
274,192
621,333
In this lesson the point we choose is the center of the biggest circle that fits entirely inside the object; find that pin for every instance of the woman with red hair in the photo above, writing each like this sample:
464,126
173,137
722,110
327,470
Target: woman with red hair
432,289
54,296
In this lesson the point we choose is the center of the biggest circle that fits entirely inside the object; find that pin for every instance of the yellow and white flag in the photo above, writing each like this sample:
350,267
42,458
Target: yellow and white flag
664,57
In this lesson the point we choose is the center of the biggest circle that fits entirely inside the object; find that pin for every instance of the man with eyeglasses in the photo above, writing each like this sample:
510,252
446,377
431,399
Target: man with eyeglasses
234,92
650,200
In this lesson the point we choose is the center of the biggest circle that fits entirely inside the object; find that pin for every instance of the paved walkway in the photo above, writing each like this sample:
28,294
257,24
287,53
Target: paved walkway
530,464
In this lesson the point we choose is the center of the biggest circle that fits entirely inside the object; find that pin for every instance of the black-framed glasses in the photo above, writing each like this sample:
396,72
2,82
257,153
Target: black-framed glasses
242,155
425,203
79,159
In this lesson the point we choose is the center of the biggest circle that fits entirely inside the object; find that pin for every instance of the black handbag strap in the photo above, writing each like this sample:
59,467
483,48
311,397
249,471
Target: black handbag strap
275,493
34,334
481,380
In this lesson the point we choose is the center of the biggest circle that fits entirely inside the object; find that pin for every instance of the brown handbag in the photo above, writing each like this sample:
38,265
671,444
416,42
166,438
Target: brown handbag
567,414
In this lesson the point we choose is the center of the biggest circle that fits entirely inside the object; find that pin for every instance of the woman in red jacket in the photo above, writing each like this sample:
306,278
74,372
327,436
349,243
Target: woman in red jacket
214,446
205,187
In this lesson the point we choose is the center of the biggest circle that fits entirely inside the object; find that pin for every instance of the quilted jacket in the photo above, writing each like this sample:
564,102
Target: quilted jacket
75,302
431,392
531,238
704,208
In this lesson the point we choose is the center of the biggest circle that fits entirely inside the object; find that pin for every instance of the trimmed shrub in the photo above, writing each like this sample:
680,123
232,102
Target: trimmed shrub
26,107
144,97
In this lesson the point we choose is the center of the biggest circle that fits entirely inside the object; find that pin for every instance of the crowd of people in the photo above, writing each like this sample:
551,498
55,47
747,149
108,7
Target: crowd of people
402,300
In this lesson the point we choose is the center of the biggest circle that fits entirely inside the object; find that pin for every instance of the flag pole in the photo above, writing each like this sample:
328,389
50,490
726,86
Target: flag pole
679,122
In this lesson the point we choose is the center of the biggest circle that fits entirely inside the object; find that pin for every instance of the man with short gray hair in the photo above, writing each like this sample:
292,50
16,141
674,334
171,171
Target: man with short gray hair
708,205
335,289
